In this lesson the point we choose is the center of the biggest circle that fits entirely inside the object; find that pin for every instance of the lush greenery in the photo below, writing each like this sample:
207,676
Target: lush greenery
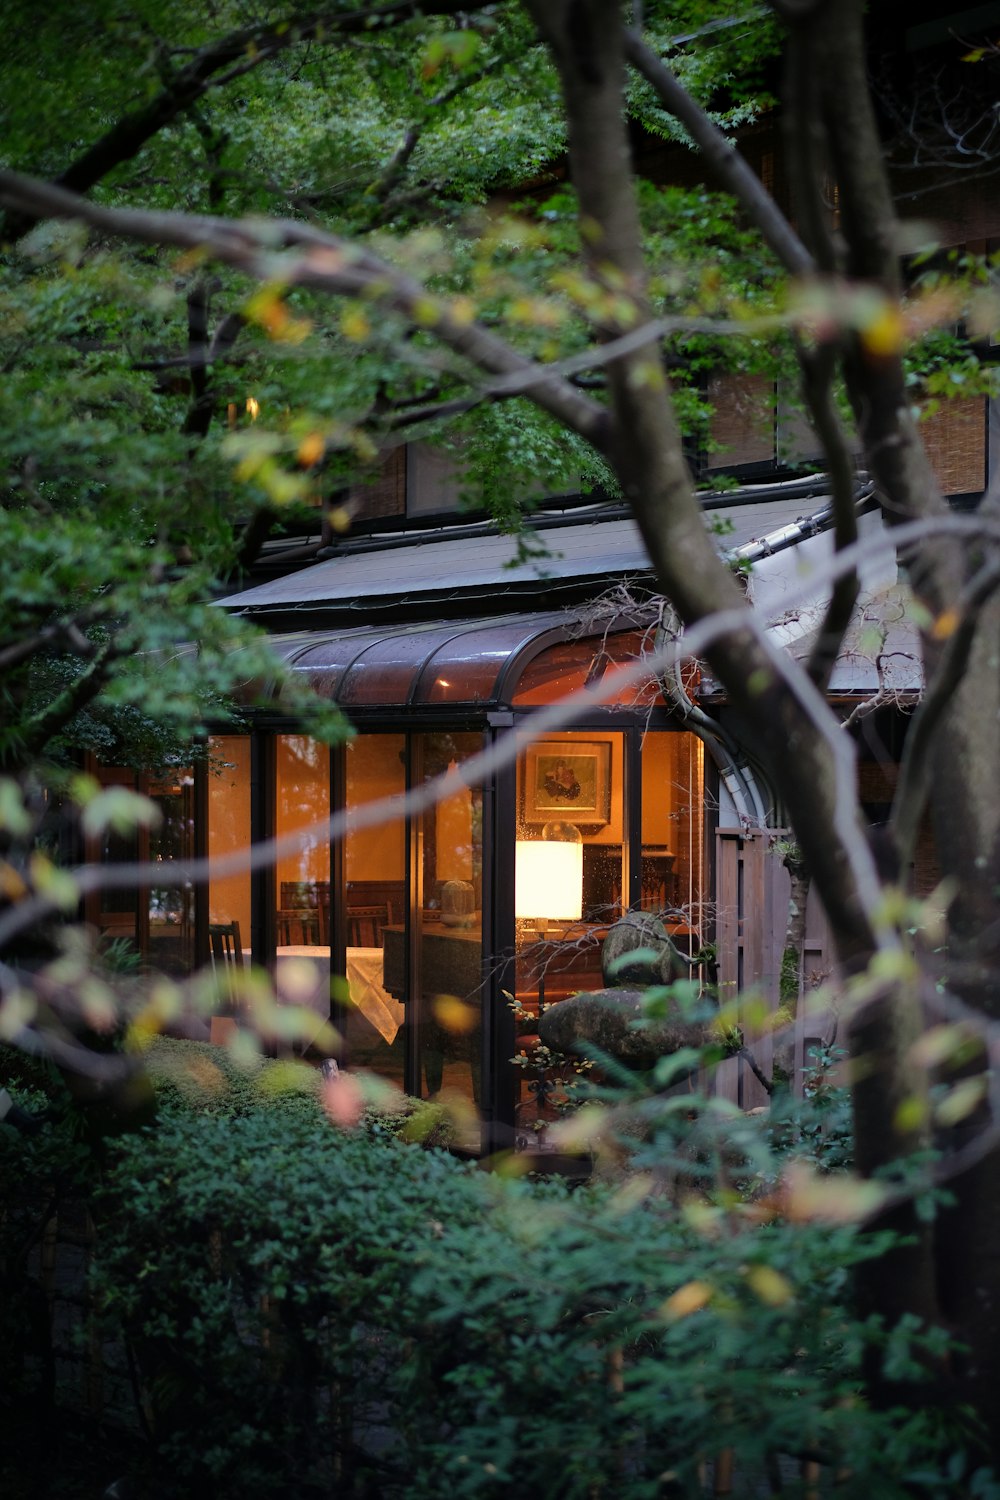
346,1314
439,203
134,480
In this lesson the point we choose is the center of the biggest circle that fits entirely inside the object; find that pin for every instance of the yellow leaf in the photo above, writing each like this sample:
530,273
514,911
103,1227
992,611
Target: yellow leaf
311,449
946,624
17,1010
910,1115
462,310
56,885
283,488
294,331
770,1286
940,1044
809,1197
426,312
689,1298
267,309
454,1015
884,334
355,325
11,882
647,373
960,1101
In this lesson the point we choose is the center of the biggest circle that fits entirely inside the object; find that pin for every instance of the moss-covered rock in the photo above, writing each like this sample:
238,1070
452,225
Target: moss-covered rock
657,959
609,1019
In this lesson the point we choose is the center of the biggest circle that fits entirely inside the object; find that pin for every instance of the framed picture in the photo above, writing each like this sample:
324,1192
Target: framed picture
567,779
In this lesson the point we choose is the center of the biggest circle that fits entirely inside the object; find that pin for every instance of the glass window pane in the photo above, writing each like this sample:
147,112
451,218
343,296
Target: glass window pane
171,903
568,891
673,833
387,669
228,834
302,879
448,984
570,665
375,907
466,668
326,659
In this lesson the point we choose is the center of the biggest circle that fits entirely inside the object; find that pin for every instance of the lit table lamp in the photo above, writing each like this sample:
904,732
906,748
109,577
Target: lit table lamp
548,876
548,881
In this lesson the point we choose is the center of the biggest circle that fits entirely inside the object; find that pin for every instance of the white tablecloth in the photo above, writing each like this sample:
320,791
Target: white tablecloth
364,979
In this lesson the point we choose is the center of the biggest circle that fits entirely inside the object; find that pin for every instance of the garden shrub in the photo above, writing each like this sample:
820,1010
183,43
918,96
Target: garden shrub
204,1079
39,1168
314,1312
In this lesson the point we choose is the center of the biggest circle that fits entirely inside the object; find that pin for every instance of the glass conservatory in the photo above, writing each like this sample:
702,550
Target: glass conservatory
435,934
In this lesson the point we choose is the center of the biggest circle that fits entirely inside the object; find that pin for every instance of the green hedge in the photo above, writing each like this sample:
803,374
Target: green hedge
320,1313
313,1312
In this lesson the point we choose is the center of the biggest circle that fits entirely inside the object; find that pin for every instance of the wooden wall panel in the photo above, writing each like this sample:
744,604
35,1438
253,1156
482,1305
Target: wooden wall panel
955,439
752,917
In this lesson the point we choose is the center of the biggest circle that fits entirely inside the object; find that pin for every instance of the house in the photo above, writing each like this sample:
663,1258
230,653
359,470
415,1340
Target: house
440,645
441,642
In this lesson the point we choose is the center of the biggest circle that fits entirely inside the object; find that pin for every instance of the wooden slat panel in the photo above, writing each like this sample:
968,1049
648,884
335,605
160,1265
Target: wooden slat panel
750,935
955,439
742,423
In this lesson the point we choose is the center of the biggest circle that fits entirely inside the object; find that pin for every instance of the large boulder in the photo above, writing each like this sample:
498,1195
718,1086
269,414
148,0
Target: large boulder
612,1019
658,959
607,1019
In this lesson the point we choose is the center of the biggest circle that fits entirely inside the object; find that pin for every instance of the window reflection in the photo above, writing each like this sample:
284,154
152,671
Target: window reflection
154,920
170,903
228,834
673,833
303,877
375,904
448,984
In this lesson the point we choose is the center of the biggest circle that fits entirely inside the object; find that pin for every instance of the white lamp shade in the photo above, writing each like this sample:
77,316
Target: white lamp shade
548,880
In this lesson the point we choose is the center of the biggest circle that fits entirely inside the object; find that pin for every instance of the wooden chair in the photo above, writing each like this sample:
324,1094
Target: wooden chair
226,945
365,924
226,952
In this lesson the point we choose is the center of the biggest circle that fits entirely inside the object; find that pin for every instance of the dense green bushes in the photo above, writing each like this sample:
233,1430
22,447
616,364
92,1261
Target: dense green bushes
313,1312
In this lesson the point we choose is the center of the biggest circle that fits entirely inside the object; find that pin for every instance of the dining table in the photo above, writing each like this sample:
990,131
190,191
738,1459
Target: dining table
364,980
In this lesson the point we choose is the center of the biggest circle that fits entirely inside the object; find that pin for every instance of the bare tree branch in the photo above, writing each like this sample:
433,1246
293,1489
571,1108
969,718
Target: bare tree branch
818,368
295,254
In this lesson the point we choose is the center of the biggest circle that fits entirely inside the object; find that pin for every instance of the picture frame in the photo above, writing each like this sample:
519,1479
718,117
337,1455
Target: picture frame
568,780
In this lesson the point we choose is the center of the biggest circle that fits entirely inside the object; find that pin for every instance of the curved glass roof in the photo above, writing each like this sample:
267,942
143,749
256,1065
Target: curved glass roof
499,662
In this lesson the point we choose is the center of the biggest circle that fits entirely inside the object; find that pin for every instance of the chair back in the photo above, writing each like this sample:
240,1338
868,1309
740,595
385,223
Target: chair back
225,943
226,952
304,914
365,924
